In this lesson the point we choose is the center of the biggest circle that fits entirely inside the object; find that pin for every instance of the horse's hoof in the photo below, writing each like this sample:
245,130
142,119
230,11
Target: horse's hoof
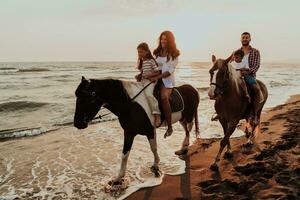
228,155
214,167
116,186
155,171
168,133
115,182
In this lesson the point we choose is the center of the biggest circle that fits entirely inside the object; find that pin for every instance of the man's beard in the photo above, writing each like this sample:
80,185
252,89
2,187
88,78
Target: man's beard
245,43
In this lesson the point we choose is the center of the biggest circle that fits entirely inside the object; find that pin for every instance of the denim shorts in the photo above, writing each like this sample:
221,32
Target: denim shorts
251,80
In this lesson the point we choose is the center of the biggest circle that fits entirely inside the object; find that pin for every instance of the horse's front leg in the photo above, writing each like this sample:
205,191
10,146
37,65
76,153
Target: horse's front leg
250,135
153,146
229,130
228,153
128,140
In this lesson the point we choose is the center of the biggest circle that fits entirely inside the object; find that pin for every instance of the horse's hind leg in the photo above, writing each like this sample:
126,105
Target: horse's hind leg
255,129
197,131
186,142
153,146
248,132
128,140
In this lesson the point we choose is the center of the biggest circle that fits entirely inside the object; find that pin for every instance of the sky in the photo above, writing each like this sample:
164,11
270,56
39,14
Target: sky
110,30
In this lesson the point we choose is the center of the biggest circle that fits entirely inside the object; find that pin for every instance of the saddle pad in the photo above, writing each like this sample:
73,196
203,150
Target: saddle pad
133,88
176,101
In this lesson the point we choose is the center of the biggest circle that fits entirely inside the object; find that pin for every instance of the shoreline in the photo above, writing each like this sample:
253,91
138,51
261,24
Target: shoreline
271,172
65,164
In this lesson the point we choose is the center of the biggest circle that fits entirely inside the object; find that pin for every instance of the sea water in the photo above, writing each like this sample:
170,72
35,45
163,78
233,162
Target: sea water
37,98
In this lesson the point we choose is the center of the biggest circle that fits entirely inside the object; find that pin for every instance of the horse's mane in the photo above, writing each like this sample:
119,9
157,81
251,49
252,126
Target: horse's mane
233,74
114,87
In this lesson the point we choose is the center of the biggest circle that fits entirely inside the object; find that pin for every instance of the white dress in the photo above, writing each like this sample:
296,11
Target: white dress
167,66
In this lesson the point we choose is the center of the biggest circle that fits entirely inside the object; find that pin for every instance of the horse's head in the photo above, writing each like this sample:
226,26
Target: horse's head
219,75
88,103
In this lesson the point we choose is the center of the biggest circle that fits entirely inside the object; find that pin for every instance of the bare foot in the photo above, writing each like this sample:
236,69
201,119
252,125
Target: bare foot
157,120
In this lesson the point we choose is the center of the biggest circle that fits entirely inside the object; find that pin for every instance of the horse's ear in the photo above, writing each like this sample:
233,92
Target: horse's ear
228,59
83,79
213,58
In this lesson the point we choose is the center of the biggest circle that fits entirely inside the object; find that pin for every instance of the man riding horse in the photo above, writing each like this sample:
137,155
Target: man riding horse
251,63
251,59
226,88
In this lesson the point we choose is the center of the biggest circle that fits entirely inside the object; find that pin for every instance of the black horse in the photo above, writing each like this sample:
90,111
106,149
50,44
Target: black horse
133,116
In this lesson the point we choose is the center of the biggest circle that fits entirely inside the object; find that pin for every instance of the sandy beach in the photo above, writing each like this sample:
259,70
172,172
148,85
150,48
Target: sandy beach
73,124
270,170
65,164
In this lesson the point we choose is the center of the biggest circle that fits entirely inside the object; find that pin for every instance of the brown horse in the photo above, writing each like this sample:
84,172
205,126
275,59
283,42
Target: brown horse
135,116
231,105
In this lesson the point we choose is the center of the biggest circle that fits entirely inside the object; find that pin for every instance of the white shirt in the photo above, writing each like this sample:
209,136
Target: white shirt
243,64
239,66
246,60
169,82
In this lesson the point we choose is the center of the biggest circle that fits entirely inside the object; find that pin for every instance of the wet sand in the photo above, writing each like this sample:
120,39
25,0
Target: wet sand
65,164
269,170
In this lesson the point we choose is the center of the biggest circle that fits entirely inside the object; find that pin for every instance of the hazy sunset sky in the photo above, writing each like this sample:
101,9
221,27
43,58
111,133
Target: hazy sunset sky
110,30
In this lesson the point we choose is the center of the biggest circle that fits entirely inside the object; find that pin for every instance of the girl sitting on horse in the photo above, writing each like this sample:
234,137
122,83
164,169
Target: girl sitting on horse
148,68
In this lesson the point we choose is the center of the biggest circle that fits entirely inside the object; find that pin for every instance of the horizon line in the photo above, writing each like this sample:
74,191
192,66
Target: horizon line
183,61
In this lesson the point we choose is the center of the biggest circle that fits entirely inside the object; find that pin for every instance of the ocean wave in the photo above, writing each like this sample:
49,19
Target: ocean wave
22,132
7,134
7,68
57,76
20,105
91,67
203,89
279,83
34,70
64,80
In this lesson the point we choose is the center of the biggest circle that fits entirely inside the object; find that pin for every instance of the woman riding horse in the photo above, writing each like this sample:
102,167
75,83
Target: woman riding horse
167,58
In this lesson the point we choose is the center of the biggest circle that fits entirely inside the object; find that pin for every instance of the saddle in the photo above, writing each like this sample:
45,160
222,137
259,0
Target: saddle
176,101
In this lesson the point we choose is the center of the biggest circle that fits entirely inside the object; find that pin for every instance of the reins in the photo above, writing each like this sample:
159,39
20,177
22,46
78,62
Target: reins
141,91
131,99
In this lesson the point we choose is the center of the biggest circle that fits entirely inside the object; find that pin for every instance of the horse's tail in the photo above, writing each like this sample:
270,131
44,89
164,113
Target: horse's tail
197,131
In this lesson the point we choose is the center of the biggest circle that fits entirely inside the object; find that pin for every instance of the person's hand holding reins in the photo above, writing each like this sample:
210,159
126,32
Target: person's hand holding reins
244,71
138,77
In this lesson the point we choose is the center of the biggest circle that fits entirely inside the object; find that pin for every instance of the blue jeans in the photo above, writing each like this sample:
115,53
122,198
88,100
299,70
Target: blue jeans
250,80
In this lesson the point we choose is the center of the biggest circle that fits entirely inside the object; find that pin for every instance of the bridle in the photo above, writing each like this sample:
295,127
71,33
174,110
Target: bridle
220,88
96,97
